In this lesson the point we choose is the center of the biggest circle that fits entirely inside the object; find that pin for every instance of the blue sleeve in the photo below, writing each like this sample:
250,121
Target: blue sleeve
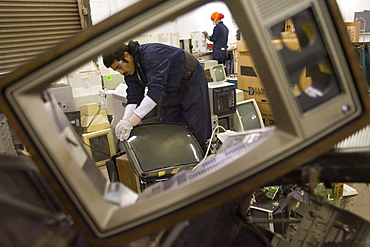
135,90
157,68
215,34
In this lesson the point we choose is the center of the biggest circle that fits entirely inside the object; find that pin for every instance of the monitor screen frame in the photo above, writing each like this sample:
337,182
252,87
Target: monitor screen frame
289,145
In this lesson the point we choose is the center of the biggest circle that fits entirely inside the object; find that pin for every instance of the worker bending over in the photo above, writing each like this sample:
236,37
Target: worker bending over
170,74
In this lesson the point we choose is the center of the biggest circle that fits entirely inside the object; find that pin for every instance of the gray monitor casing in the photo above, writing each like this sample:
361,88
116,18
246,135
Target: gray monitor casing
297,138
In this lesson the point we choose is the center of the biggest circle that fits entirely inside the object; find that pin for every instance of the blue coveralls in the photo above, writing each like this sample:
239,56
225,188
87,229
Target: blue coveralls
160,68
219,38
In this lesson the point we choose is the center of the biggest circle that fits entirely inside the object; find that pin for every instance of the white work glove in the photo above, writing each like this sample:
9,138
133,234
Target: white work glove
124,126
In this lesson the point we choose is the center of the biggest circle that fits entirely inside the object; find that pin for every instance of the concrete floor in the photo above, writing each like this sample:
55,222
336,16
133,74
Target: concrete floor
359,204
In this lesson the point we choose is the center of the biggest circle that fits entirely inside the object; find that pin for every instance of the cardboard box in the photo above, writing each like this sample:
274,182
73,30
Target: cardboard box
289,40
241,45
353,29
265,109
268,122
248,78
303,84
266,113
250,82
243,53
126,173
245,58
289,26
253,88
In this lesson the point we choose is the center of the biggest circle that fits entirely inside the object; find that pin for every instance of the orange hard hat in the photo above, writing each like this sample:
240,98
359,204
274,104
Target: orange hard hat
217,16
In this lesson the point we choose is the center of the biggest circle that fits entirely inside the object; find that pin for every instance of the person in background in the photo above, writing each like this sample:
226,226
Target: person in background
219,38
172,76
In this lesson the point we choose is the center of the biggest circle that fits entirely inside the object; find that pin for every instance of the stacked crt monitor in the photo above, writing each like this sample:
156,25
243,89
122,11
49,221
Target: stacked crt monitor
247,116
100,145
217,72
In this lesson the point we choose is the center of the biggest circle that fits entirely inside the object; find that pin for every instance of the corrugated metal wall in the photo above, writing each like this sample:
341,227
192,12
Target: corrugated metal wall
29,27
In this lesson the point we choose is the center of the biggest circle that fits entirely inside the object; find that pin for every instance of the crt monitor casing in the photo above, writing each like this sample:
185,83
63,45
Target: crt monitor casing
247,116
178,150
100,145
298,137
222,98
217,72
63,94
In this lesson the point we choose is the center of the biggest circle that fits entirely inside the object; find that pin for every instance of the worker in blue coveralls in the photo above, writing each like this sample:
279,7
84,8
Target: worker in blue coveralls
219,38
172,76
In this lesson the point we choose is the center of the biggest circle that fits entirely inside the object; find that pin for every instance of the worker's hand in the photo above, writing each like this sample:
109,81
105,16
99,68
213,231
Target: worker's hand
124,126
205,34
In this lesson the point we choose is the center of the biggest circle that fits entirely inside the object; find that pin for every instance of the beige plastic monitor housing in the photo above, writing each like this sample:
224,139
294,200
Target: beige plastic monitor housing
307,124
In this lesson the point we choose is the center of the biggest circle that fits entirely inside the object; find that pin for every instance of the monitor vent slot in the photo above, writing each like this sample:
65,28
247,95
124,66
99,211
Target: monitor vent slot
268,8
360,139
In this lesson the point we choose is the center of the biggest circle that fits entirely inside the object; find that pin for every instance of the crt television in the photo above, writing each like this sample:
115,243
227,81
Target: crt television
307,124
247,116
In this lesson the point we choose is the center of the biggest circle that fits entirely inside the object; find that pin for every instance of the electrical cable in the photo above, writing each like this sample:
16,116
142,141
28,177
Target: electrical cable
96,114
210,140
92,119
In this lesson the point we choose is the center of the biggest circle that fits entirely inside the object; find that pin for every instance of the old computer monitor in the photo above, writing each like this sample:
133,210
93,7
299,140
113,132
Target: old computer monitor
100,145
178,148
222,98
307,124
222,94
63,94
247,116
217,72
